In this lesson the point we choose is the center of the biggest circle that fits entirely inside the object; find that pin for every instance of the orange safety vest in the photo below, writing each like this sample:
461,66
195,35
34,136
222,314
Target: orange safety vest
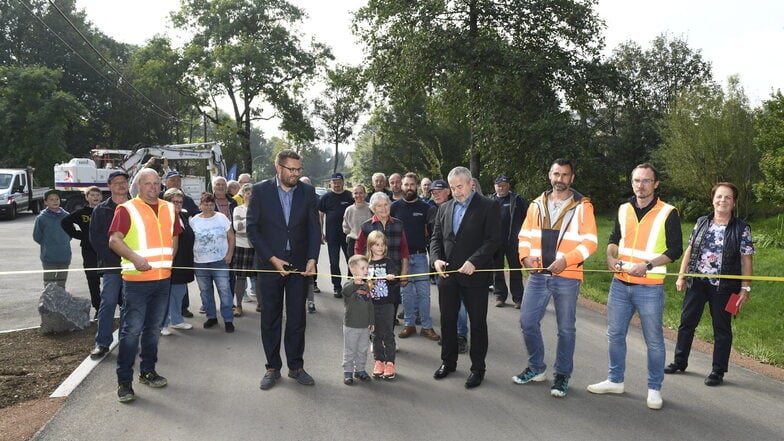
151,237
642,241
576,236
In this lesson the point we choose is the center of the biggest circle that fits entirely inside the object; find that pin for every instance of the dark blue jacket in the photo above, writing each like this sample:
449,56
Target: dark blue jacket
100,222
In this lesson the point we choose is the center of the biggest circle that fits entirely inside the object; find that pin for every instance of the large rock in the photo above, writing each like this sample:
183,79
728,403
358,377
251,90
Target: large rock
60,311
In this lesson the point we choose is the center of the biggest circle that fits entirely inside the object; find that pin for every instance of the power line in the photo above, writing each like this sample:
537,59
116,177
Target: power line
108,63
75,52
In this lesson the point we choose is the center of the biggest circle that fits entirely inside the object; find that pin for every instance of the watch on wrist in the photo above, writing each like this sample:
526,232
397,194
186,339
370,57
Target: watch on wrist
648,266
746,288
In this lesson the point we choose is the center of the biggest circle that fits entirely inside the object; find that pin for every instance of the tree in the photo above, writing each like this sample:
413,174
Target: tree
34,117
501,70
770,143
709,138
344,101
249,52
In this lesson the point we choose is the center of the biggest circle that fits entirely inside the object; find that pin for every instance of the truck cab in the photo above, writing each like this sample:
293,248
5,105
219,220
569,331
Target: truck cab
17,192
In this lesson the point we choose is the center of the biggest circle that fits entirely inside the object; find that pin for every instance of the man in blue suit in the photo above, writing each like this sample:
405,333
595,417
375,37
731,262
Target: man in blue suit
283,226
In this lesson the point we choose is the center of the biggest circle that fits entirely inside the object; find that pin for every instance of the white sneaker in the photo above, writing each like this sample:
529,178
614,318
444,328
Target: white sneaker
165,331
606,387
183,325
654,399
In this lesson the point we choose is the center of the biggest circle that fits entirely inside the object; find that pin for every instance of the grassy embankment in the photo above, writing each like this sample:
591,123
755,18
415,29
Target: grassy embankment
759,327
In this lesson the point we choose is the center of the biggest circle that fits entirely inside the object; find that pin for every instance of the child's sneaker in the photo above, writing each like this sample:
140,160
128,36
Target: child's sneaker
362,375
378,369
348,378
389,371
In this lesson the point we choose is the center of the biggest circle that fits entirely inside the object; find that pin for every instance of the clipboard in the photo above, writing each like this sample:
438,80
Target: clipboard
732,304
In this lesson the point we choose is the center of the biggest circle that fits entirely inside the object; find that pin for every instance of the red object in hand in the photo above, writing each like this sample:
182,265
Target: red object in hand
732,304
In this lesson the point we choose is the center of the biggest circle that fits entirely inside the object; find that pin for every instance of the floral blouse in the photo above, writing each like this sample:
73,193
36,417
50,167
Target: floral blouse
712,245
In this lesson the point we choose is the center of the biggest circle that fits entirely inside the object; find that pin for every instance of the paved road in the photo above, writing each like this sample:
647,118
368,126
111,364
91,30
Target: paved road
213,384
19,294
213,393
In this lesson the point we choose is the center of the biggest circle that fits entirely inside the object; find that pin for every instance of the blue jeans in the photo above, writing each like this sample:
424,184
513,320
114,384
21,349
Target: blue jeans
205,278
416,295
176,294
535,299
110,296
648,301
144,306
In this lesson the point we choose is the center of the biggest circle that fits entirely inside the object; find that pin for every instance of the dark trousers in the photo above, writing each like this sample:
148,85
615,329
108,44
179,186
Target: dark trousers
335,244
384,347
702,292
274,292
515,275
350,246
90,260
450,293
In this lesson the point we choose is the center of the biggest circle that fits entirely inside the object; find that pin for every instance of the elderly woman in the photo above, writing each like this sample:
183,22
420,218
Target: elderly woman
719,244
212,253
181,274
243,250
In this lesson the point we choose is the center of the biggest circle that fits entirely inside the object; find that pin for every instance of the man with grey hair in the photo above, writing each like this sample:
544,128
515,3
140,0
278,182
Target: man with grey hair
466,235
379,186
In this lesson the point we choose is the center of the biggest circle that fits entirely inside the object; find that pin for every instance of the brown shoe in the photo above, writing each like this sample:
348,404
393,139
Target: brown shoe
408,331
430,334
238,311
499,303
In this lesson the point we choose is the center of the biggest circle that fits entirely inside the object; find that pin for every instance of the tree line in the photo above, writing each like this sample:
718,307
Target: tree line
504,87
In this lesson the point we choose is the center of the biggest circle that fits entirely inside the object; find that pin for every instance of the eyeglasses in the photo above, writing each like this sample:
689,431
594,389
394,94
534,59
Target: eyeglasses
292,169
643,181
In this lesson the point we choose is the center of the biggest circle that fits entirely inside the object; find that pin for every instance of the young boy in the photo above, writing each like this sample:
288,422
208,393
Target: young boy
358,322
81,219
55,242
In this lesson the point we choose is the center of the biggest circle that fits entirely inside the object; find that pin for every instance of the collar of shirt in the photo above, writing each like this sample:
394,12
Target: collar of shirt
277,183
374,219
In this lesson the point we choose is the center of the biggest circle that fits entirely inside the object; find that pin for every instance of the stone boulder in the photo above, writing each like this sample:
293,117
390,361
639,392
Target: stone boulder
60,311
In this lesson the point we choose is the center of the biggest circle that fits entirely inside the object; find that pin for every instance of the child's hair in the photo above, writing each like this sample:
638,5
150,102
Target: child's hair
355,259
373,238
91,189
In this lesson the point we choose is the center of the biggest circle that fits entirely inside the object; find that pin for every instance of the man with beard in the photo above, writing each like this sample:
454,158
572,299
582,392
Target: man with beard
416,290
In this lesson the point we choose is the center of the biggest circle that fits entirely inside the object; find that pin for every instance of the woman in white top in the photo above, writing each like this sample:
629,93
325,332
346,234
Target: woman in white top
212,253
243,250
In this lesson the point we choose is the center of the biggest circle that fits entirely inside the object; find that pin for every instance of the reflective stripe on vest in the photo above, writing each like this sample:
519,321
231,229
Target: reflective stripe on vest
151,237
642,241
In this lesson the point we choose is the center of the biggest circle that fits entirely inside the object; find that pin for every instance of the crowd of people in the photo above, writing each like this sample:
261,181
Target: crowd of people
261,242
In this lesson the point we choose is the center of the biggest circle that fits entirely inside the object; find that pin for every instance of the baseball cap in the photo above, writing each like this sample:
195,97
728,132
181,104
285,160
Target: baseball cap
52,191
172,174
114,174
439,184
501,179
337,177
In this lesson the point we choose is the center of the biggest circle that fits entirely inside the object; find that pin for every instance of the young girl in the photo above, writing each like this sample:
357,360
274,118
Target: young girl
385,291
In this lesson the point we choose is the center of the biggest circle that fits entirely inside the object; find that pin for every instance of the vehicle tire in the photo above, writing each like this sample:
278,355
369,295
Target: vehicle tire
35,207
12,214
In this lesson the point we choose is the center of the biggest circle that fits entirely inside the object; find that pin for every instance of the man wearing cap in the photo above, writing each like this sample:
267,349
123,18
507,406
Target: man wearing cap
416,290
111,291
513,209
333,204
174,180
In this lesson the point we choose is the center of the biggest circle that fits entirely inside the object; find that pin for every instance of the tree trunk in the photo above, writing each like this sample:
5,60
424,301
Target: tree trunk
335,167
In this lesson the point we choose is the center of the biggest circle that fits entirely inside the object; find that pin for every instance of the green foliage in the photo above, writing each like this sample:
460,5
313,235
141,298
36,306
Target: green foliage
343,102
708,138
36,115
249,52
770,143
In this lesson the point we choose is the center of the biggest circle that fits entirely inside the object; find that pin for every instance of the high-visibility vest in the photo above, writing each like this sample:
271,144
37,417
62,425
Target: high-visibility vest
151,237
576,227
642,241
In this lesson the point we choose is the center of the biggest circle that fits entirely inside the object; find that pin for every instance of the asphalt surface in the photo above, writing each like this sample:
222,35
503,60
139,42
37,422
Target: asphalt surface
214,377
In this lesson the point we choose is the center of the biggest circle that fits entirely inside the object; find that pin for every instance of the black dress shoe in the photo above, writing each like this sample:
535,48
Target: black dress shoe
714,379
673,368
442,372
474,380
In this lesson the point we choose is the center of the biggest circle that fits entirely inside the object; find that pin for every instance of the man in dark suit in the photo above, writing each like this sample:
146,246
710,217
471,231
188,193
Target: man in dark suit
466,235
283,226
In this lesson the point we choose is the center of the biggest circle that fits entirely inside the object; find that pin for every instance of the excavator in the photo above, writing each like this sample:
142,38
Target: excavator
73,177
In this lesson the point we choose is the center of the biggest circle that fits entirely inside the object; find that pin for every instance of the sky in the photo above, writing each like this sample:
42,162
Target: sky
738,37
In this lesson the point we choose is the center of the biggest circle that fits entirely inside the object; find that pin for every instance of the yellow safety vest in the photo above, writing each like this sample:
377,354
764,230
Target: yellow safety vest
151,237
